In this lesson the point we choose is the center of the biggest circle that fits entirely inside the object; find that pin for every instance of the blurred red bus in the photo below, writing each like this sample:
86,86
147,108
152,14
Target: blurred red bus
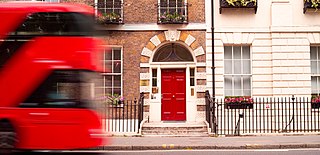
48,64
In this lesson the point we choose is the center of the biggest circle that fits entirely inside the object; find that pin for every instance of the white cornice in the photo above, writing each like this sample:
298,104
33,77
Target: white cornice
154,27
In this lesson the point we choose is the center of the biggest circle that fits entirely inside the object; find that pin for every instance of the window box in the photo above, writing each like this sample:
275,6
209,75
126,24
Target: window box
172,13
311,4
109,18
239,106
238,4
315,105
172,18
315,102
238,103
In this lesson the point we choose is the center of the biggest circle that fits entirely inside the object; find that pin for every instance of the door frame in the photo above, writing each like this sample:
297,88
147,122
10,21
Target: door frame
155,103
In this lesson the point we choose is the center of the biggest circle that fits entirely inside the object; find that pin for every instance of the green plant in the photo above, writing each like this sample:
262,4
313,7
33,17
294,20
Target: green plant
314,3
108,17
241,2
315,99
172,17
111,99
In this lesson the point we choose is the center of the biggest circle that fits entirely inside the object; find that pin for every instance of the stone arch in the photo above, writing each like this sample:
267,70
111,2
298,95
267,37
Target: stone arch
181,37
170,36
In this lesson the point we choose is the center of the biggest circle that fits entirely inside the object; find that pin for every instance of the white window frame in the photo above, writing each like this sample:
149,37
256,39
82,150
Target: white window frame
184,2
315,73
111,73
97,9
241,74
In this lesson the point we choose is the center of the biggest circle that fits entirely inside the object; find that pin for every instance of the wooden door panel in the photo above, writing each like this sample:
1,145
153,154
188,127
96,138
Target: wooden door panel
173,88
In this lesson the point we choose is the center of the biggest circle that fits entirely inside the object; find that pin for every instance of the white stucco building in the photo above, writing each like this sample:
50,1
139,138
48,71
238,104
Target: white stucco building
279,45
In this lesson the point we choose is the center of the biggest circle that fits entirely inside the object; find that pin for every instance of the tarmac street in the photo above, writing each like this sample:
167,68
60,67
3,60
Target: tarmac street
308,151
243,142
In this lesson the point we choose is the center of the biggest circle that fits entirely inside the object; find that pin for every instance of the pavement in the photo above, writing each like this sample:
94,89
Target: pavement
190,143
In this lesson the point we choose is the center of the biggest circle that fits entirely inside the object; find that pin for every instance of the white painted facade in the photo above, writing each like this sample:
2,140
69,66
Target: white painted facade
154,101
279,36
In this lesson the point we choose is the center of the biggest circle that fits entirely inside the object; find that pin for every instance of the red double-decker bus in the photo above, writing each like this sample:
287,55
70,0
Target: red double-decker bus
48,71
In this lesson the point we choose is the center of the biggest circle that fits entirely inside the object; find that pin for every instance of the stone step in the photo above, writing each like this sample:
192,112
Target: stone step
175,129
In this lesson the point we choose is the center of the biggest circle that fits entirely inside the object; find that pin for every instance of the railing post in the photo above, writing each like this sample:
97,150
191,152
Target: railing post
140,109
213,107
210,107
293,112
207,101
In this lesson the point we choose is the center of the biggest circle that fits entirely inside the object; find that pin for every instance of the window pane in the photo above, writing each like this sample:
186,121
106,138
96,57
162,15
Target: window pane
318,51
108,80
117,81
172,52
117,67
246,52
108,91
246,92
227,52
237,92
227,66
154,72
117,54
117,91
117,3
318,68
228,85
154,77
192,81
246,67
314,84
108,65
191,71
154,82
107,55
314,67
247,82
237,66
236,52
228,92
237,82
313,53
228,82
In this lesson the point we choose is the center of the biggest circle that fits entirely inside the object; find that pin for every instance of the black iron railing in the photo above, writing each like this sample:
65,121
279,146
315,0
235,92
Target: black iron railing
172,13
267,115
124,117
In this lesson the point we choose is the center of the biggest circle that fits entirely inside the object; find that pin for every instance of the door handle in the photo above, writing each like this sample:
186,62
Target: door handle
173,96
39,114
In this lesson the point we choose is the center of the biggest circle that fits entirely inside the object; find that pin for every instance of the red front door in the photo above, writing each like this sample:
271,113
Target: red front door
173,89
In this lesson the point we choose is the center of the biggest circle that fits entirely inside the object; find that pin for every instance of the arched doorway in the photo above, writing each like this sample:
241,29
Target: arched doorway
173,80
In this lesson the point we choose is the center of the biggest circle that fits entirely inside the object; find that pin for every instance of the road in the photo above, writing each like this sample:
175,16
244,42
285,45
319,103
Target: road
315,151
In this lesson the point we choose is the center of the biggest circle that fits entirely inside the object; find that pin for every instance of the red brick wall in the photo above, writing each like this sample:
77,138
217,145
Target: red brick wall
132,43
145,11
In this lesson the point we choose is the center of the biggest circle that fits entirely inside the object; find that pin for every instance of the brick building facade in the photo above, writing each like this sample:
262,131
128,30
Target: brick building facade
139,35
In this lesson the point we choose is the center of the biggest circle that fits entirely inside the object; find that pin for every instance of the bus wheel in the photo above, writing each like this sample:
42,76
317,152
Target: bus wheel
8,137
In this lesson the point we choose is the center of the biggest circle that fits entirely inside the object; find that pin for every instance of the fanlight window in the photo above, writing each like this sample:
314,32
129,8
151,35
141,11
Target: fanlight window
172,53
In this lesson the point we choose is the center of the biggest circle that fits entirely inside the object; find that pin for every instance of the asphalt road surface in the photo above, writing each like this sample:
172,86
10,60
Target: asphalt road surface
315,151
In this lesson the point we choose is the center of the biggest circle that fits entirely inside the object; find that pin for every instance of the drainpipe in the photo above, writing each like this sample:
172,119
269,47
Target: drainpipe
213,72
213,65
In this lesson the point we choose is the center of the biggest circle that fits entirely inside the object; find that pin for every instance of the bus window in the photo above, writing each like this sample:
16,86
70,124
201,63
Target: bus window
57,23
64,89
45,23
